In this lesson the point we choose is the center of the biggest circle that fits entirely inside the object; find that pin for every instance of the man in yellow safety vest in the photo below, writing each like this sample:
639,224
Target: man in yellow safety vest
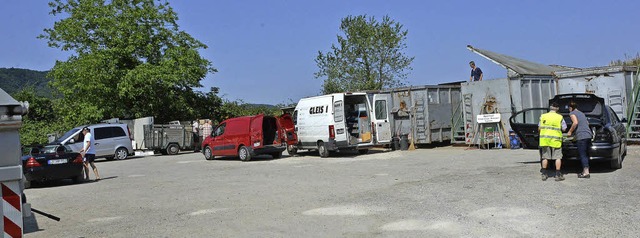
550,127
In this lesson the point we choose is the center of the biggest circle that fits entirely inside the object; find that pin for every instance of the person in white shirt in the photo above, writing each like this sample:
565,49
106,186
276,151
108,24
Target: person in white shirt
195,127
88,152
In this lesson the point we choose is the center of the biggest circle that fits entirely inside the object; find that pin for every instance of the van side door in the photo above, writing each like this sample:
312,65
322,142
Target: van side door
339,119
381,118
220,145
295,123
102,141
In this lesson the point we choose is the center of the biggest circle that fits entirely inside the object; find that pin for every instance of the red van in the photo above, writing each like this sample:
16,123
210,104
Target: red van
249,136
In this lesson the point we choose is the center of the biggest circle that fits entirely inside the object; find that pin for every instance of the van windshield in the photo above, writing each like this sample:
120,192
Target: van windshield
67,135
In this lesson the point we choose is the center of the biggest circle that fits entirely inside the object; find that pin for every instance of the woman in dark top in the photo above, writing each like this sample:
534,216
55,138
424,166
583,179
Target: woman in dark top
583,135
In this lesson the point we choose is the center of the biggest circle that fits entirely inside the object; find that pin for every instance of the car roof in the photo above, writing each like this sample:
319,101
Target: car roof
100,125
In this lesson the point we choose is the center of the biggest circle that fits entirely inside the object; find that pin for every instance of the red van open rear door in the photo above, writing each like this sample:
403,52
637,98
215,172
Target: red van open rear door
255,131
286,122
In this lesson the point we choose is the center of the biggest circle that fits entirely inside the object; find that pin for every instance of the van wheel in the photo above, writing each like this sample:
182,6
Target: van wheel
322,150
173,149
208,154
121,153
364,151
244,153
292,150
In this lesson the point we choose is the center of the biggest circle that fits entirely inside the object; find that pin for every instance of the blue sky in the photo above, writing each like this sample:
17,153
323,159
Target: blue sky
265,50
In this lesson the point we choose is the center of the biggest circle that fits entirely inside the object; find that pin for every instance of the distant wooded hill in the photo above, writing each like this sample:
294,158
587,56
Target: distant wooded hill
13,80
260,105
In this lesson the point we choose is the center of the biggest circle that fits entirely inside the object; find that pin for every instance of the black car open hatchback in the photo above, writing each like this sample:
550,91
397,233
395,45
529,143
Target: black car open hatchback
609,142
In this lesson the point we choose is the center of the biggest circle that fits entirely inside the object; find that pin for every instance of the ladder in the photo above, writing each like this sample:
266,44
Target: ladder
419,118
457,125
633,112
469,122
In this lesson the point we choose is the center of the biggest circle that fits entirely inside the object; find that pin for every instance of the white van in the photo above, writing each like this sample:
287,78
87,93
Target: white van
112,141
334,122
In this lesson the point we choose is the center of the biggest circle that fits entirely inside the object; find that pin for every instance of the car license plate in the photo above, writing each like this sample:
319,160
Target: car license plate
57,161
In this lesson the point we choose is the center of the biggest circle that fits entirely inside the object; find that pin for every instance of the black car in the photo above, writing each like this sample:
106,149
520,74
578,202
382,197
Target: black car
609,142
52,162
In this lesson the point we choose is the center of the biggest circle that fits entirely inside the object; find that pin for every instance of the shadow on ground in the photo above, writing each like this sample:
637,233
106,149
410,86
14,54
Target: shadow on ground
31,224
253,159
103,160
575,167
342,153
64,182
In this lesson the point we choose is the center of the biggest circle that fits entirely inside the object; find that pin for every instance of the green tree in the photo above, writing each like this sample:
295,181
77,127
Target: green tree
41,119
130,60
369,56
207,105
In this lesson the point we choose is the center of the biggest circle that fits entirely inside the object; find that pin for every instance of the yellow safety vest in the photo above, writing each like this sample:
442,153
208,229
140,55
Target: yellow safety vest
551,129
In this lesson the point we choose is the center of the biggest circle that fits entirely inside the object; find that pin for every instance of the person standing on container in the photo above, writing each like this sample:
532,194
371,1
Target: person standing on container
583,135
88,152
476,73
195,128
550,127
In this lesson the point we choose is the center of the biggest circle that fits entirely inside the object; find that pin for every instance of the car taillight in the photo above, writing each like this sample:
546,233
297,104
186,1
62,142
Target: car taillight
31,162
603,136
332,132
130,135
78,159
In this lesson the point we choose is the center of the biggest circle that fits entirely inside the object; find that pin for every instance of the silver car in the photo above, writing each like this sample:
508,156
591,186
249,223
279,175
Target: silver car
112,141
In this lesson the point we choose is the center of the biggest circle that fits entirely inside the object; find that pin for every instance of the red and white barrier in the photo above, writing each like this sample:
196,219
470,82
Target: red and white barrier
11,209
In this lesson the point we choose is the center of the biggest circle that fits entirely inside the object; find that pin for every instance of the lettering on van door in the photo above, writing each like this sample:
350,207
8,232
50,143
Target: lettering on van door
318,109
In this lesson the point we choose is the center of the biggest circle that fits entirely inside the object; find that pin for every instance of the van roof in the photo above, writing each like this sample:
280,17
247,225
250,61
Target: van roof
99,124
328,95
246,117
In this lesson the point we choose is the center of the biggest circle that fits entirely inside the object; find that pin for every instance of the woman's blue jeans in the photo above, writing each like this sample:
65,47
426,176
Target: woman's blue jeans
583,148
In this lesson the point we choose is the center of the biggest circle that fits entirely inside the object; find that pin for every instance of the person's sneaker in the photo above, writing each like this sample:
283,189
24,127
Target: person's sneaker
559,177
544,177
581,175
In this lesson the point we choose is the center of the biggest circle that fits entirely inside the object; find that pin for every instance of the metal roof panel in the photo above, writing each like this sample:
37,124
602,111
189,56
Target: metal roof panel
594,71
518,66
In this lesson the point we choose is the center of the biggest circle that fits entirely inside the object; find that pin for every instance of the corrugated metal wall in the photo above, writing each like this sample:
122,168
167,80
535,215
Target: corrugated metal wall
615,87
432,107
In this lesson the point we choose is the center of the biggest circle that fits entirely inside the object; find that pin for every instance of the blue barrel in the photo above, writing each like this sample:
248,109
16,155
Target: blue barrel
513,138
